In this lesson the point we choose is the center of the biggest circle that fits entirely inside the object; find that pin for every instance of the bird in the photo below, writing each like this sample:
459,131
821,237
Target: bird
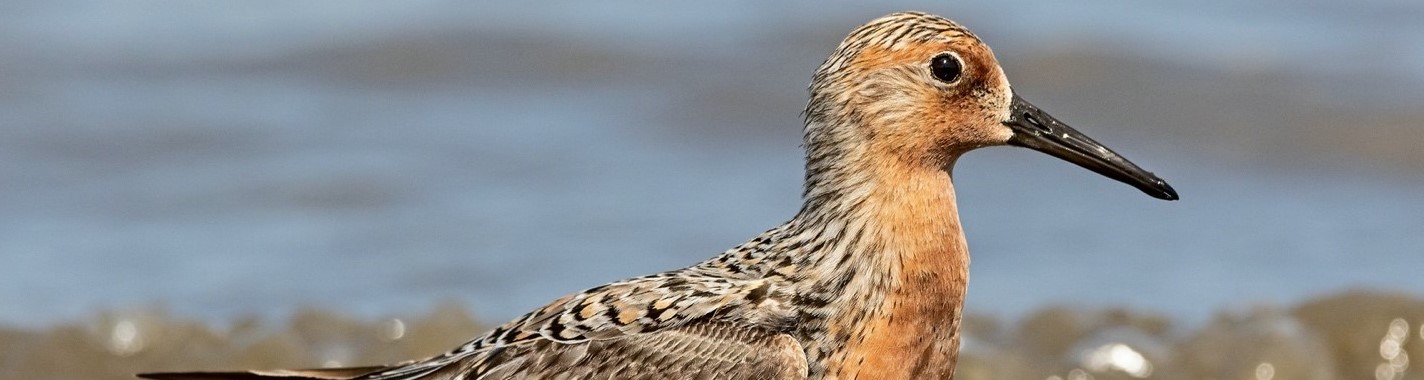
866,281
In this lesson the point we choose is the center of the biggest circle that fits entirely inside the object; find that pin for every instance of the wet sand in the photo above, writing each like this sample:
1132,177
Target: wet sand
1352,335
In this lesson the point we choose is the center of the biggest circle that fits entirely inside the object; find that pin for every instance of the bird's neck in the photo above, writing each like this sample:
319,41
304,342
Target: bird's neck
887,284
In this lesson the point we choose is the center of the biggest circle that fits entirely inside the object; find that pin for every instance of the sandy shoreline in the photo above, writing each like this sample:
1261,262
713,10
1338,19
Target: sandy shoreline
1349,335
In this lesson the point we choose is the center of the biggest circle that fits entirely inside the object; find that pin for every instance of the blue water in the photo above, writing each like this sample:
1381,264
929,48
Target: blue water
230,158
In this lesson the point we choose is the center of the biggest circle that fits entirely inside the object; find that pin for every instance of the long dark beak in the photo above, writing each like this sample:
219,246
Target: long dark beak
1036,130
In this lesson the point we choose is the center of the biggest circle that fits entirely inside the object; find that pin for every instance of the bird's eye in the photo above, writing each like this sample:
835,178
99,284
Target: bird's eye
946,67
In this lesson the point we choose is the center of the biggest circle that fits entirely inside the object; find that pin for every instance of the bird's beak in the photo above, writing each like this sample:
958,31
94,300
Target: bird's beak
1036,130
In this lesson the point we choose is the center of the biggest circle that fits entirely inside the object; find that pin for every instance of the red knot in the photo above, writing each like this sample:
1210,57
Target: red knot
867,281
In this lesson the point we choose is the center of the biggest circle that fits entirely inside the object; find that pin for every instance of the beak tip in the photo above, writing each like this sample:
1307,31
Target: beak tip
1164,191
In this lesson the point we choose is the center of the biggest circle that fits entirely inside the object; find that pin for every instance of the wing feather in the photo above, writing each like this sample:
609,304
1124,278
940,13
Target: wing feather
308,374
706,350
655,327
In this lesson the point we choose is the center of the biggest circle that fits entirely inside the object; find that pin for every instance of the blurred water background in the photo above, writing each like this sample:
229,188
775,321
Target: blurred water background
228,160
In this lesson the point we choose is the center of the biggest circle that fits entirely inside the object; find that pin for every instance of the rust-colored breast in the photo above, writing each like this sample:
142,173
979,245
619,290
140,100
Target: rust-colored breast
912,333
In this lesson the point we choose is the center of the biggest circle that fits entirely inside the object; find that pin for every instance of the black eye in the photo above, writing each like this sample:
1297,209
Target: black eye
945,67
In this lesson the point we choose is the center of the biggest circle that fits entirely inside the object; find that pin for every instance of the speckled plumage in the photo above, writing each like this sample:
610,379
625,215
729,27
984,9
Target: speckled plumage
867,281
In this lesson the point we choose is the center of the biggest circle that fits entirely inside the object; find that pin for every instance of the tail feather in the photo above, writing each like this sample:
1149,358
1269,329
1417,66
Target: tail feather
300,374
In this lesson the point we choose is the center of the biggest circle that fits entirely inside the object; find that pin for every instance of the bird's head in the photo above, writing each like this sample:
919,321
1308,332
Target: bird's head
921,90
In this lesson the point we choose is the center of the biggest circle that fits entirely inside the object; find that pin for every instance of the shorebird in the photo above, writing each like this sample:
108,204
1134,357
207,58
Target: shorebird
866,281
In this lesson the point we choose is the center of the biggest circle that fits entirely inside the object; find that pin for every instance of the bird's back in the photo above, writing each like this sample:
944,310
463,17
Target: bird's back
714,320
